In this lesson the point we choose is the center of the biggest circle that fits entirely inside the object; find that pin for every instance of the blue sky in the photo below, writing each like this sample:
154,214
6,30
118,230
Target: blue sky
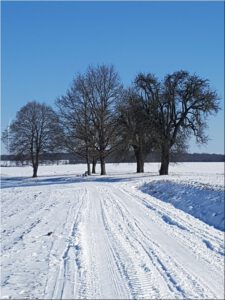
44,44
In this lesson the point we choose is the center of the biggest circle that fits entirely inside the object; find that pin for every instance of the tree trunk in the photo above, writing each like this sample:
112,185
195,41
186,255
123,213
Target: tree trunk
88,162
35,168
35,163
139,159
94,162
102,164
165,159
88,166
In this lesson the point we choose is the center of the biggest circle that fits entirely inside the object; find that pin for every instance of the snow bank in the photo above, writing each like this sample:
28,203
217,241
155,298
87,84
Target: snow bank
204,203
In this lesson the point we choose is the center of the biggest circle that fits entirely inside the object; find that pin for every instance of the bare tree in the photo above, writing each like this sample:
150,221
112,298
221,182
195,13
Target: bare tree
134,124
75,119
103,88
87,115
32,132
183,104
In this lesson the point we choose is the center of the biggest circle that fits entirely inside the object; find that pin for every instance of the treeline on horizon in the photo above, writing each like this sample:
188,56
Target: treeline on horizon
99,120
71,158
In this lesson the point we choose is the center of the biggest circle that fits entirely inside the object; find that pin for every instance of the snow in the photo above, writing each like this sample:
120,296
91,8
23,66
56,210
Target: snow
121,236
202,202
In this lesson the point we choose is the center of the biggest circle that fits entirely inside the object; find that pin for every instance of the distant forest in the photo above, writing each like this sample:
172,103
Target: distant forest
71,158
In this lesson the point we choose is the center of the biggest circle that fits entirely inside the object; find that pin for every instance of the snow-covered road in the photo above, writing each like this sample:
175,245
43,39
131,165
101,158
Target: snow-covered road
105,240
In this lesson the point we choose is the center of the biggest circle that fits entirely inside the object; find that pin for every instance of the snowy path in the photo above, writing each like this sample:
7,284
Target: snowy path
105,240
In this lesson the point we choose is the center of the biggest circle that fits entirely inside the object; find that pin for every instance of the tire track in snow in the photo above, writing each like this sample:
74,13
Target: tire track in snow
67,277
198,282
196,238
103,279
142,281
175,273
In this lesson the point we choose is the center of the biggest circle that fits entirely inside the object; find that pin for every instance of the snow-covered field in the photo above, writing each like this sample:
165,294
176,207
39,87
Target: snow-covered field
120,236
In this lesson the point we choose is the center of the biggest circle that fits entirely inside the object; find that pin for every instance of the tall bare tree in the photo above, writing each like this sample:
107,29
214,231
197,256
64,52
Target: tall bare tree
135,126
32,132
75,120
103,89
183,102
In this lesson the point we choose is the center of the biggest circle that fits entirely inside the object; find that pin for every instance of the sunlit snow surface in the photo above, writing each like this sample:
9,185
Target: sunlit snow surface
124,235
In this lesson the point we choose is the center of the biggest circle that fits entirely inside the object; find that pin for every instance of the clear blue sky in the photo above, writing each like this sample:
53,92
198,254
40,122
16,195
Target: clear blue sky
44,44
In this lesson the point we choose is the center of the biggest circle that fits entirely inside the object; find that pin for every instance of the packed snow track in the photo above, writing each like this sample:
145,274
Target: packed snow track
105,240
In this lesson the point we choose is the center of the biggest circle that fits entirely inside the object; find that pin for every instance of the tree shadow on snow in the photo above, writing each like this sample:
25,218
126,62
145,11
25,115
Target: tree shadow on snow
13,182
